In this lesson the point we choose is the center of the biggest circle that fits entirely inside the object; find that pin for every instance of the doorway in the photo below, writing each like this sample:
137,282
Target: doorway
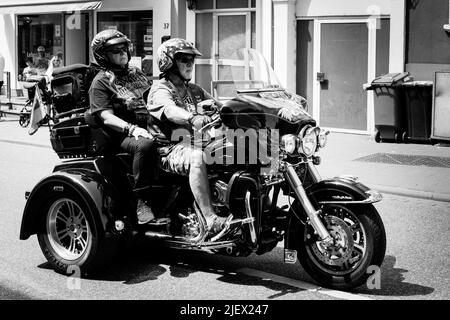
344,59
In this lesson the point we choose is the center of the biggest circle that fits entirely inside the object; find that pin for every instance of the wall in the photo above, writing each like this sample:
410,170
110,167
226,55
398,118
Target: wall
427,43
316,8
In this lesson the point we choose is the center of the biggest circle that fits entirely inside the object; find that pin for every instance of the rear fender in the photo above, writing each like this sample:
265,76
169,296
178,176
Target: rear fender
91,186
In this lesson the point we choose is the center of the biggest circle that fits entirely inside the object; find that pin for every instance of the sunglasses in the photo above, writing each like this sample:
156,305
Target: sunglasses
118,50
186,59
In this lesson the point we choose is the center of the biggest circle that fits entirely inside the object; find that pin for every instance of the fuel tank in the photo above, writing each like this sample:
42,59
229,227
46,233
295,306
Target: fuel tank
265,109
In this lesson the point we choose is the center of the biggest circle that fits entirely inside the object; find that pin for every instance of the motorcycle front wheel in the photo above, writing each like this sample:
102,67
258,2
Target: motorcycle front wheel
359,245
69,239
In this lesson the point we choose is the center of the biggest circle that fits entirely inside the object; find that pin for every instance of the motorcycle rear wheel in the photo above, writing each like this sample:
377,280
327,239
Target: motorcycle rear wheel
69,239
359,246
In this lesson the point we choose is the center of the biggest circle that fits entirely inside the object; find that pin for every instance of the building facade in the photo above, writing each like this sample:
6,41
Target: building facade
324,50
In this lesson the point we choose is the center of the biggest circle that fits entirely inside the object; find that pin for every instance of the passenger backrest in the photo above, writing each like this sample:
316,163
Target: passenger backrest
70,86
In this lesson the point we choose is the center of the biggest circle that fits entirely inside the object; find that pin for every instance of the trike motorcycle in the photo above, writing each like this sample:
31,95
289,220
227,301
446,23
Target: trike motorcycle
261,159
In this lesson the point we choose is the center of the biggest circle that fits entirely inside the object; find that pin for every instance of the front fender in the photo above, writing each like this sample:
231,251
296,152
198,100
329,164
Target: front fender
90,185
343,190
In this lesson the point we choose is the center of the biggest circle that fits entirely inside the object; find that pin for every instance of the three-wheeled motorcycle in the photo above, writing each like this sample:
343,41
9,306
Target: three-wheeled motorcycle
262,157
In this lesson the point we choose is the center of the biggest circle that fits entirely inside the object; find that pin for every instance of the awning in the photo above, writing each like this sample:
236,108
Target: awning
50,7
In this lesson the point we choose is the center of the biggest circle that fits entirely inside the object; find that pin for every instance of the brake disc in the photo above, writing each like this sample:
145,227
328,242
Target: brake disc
340,251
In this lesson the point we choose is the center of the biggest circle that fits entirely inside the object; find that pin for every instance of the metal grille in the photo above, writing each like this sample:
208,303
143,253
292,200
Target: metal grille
407,159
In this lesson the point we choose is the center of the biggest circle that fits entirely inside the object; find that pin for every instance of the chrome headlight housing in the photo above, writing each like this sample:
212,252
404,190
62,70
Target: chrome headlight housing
322,138
289,143
308,143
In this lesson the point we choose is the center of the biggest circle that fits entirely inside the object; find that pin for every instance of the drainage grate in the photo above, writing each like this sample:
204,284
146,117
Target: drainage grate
407,159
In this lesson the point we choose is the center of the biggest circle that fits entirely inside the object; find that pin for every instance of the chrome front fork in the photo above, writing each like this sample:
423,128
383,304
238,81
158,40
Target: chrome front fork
300,193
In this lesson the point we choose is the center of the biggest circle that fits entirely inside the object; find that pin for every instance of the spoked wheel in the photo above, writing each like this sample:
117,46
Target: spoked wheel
359,241
69,238
24,118
70,234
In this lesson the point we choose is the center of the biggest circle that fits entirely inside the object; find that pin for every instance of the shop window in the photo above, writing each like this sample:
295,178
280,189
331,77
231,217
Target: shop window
39,38
223,4
138,26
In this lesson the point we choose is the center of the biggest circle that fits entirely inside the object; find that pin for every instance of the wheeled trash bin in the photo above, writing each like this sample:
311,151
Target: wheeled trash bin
389,105
419,103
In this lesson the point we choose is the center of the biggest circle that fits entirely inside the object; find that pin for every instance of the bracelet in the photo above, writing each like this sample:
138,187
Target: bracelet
133,127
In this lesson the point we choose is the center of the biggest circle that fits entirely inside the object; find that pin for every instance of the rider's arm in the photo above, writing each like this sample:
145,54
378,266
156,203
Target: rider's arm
177,114
162,104
112,121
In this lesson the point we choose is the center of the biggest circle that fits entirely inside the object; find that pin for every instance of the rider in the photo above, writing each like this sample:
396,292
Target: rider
173,103
116,100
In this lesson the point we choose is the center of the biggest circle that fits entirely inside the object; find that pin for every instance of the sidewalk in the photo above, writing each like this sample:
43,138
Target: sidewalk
425,180
422,180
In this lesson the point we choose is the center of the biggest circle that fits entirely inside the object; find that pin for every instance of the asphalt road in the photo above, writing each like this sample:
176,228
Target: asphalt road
416,264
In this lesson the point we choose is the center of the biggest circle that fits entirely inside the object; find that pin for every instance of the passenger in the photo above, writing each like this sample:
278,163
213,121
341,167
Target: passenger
41,62
173,103
116,100
29,70
55,62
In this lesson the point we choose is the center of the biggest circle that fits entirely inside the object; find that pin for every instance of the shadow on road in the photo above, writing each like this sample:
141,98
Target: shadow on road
144,263
393,282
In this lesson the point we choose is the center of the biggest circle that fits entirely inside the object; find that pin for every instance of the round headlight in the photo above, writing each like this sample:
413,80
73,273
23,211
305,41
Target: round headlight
309,142
322,139
289,143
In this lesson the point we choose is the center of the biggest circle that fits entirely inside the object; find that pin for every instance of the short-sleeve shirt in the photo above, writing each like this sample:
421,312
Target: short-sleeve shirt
163,94
121,93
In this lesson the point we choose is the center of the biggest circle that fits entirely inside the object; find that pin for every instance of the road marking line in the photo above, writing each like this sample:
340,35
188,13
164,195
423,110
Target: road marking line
301,284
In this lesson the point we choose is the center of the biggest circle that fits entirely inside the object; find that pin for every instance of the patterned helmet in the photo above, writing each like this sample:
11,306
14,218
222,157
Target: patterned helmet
165,55
104,39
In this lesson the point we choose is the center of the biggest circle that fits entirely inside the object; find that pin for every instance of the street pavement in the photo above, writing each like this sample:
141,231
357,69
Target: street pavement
425,175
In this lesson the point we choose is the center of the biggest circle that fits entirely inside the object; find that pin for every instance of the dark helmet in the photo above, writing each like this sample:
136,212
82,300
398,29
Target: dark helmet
104,39
165,55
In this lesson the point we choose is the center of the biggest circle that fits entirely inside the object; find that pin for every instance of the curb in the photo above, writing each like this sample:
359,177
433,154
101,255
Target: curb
436,196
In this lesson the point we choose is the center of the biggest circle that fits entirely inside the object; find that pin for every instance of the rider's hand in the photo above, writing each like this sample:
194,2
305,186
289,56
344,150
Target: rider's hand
199,121
207,105
140,132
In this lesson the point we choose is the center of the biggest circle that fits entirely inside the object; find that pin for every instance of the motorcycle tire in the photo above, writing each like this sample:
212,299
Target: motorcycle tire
358,232
69,240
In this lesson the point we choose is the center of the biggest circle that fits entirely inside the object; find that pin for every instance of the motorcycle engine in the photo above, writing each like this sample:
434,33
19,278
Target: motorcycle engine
218,193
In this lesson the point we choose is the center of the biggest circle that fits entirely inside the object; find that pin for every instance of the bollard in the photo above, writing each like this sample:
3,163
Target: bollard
8,88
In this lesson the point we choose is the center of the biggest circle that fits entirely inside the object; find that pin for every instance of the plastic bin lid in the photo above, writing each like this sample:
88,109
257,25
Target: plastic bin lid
418,83
389,79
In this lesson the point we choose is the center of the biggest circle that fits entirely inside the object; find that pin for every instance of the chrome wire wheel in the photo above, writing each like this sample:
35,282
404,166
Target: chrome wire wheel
349,242
68,230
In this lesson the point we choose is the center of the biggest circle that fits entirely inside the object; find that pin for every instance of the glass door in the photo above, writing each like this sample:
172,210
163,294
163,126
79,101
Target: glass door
218,36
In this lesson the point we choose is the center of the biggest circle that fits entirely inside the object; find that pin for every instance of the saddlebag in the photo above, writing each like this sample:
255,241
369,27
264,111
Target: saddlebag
72,138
